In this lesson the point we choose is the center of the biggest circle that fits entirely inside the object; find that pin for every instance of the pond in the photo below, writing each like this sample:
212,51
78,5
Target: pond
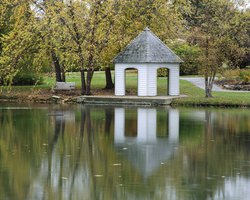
98,152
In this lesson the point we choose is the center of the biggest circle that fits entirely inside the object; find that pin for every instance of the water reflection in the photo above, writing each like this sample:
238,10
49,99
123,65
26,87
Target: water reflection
146,151
91,152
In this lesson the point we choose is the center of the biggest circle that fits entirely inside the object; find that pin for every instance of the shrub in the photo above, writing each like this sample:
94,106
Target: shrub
231,74
245,76
237,75
189,54
27,78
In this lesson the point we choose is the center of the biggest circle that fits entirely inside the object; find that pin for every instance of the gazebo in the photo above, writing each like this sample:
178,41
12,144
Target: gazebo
147,53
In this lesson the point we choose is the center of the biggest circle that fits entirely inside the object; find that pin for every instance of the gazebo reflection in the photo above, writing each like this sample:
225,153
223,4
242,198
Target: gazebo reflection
147,150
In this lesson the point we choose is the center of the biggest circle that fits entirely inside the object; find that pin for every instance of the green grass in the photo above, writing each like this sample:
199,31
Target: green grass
195,94
98,80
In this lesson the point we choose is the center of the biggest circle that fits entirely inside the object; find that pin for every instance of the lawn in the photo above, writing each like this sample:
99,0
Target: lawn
195,94
196,97
98,81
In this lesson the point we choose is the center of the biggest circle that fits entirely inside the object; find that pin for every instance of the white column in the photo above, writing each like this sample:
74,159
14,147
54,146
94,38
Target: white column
119,125
173,125
142,80
152,80
120,83
173,87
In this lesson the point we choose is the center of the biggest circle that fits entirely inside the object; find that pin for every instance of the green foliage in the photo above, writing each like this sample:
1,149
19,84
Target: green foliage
5,19
21,43
27,78
245,76
211,24
237,75
189,54
162,72
23,78
231,74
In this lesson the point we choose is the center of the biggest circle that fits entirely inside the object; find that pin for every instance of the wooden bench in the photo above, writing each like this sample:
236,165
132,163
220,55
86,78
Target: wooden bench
65,86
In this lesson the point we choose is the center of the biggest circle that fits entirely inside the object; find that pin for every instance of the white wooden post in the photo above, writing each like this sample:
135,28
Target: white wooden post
120,83
142,81
152,80
173,87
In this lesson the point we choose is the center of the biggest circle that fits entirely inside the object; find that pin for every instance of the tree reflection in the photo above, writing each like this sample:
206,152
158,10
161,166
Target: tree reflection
84,152
215,159
109,115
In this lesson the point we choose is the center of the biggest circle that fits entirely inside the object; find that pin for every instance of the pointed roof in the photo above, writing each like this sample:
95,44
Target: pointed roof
147,48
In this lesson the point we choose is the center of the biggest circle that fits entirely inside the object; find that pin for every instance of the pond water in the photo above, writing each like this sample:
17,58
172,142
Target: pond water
98,152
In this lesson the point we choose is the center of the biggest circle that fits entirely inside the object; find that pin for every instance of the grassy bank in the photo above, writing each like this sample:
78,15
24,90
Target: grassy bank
196,97
195,94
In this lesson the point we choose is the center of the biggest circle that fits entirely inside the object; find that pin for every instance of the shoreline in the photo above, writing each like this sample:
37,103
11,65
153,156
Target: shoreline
73,98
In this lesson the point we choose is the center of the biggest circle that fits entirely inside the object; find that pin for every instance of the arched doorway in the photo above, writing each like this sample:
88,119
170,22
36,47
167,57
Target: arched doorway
131,81
162,81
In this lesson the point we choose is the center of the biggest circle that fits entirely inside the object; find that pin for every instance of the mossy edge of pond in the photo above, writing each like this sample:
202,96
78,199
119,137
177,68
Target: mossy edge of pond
52,98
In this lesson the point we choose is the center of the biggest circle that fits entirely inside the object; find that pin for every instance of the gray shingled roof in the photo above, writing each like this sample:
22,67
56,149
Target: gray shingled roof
147,48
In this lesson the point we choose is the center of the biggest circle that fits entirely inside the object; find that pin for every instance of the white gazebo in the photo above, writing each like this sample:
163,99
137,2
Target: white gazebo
147,53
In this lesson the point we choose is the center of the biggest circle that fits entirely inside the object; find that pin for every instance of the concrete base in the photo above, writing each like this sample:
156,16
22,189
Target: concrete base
127,100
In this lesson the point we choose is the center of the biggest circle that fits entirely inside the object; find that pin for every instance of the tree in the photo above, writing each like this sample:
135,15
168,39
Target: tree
5,27
86,30
189,53
240,39
5,21
19,43
210,60
99,30
29,43
72,33
46,12
211,24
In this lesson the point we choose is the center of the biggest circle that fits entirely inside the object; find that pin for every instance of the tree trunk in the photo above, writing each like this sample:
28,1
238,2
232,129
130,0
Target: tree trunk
89,78
208,87
63,76
109,114
83,83
57,66
109,82
208,93
208,125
